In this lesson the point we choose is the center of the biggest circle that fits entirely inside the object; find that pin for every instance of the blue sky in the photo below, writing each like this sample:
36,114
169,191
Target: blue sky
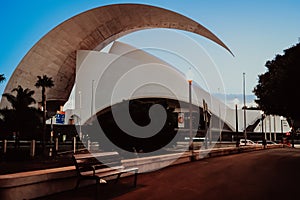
254,30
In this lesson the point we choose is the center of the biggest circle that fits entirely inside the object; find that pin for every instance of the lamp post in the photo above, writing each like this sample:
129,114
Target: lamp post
281,126
262,124
92,99
244,91
205,113
293,133
236,101
220,128
190,80
80,132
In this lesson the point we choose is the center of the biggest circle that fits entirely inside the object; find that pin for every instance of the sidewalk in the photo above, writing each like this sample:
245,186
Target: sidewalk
28,185
225,177
154,185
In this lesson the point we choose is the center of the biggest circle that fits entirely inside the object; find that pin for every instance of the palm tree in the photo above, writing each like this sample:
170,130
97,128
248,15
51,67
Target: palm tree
44,82
22,100
21,117
2,78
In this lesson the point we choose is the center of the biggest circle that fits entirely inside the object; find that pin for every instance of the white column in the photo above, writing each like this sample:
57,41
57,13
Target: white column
274,127
270,127
74,144
32,148
4,146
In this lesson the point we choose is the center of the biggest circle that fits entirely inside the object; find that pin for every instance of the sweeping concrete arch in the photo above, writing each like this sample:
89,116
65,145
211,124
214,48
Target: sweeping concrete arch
55,53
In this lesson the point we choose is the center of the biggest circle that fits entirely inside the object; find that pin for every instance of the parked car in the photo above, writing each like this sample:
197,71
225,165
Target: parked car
247,142
197,142
269,142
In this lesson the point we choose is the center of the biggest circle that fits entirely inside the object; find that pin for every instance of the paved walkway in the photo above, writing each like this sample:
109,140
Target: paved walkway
266,174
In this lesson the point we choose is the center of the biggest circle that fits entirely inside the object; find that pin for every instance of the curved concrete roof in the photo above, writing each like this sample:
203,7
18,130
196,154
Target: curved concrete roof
55,54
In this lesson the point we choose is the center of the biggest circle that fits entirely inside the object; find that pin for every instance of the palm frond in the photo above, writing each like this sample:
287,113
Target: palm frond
2,78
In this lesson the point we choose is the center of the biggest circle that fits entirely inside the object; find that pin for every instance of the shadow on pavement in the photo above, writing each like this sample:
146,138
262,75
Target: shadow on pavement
109,190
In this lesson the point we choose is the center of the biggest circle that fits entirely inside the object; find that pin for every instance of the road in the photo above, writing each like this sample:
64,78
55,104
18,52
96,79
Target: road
265,174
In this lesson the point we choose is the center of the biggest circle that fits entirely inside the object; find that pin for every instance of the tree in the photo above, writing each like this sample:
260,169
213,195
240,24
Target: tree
22,100
2,78
44,82
277,89
22,117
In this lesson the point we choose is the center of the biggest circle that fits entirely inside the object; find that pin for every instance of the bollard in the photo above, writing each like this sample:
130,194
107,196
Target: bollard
74,144
64,137
89,145
4,146
50,152
56,144
32,148
51,137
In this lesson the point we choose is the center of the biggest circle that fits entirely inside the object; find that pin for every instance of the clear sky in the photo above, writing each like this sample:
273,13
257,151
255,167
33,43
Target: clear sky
254,30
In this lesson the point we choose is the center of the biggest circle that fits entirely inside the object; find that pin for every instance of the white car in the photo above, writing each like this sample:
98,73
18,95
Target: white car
267,142
248,142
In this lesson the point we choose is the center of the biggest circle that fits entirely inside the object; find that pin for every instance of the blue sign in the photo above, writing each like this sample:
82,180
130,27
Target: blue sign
60,118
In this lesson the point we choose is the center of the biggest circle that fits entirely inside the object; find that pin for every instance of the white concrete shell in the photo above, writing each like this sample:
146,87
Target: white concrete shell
115,76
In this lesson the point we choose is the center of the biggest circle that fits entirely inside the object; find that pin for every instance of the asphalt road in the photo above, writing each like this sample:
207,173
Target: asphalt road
265,174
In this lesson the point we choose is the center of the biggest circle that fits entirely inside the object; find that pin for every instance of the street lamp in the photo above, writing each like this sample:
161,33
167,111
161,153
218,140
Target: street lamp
244,95
236,101
293,133
281,124
220,124
80,132
189,77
